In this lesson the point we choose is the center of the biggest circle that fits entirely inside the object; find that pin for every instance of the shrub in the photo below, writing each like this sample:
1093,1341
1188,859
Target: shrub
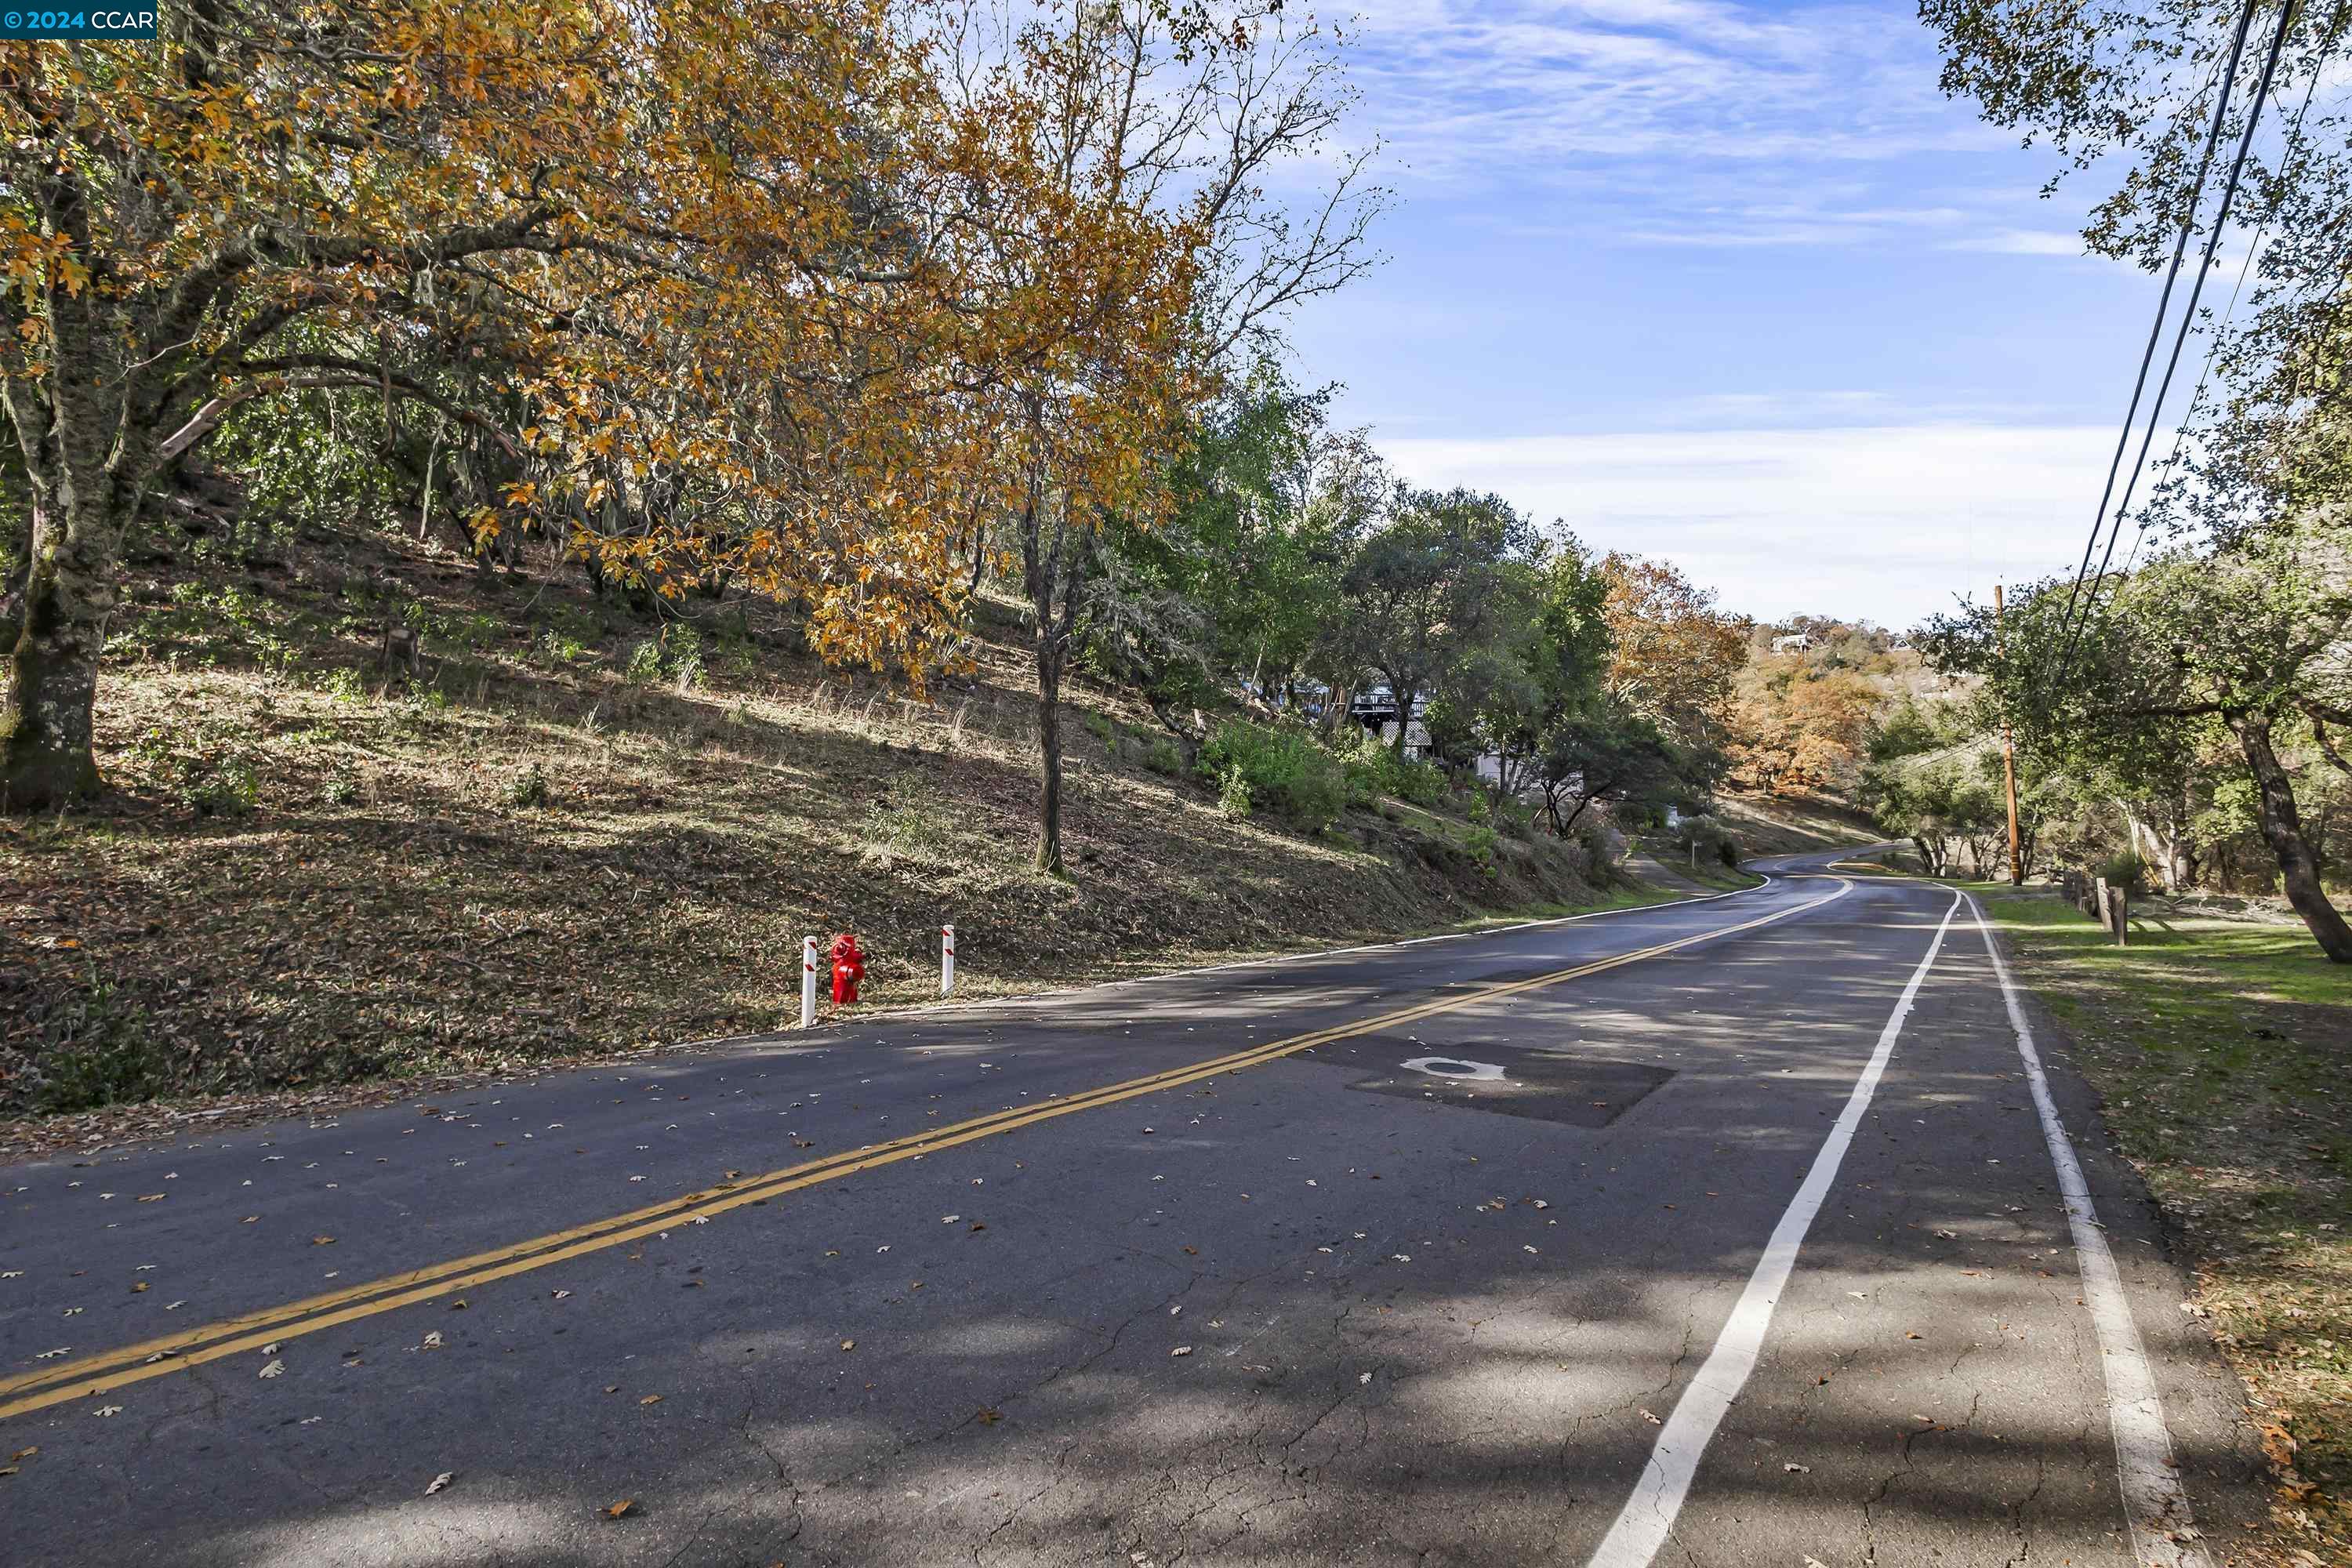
1698,838
1279,768
1233,794
1600,843
347,685
644,662
1160,756
529,789
1373,770
2125,871
558,648
1480,842
682,657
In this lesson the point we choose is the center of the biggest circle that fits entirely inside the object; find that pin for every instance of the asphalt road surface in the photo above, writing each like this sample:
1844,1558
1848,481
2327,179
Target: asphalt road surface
1732,1232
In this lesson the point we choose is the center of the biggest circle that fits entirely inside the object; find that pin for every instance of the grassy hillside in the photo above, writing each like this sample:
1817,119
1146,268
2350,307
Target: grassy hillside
1793,822
573,832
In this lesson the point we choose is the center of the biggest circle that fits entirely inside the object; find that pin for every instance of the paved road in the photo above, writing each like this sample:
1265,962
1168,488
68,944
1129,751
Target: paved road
1721,1233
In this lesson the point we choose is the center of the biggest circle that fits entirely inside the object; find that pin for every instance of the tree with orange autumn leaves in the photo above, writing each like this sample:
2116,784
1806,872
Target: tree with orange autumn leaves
1673,656
807,294
1114,288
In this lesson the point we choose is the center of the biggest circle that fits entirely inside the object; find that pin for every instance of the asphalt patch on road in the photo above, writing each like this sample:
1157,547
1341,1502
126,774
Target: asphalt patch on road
1512,1081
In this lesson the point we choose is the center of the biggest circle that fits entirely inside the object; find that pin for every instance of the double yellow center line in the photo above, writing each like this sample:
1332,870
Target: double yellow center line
109,1370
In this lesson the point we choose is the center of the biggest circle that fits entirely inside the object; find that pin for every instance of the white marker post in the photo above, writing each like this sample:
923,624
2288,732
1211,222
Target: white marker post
808,982
947,960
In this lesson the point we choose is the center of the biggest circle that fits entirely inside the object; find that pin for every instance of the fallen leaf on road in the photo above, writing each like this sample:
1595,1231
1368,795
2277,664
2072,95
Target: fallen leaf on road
141,1285
624,1506
322,1241
849,1344
433,1339
989,1417
1182,1350
250,1219
1652,1419
1363,1377
439,1481
23,1454
949,1218
152,1198
108,1410
458,1305
651,1399
269,1348
275,1369
1799,1469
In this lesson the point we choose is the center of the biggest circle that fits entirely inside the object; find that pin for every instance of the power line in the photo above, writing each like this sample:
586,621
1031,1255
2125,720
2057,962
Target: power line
2188,318
2227,79
2197,398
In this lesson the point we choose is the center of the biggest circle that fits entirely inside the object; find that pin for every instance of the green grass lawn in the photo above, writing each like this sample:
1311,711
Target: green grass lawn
2222,1048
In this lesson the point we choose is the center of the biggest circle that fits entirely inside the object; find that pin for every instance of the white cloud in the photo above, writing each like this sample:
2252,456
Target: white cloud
1462,86
1683,122
1888,523
2020,242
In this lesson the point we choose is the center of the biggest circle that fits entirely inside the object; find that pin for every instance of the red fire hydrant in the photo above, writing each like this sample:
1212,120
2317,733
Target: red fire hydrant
848,968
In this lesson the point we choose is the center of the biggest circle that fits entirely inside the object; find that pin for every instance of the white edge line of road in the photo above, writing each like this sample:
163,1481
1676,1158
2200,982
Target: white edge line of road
1647,1520
2155,1506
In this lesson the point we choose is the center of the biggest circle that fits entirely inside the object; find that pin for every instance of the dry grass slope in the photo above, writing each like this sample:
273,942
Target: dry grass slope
568,834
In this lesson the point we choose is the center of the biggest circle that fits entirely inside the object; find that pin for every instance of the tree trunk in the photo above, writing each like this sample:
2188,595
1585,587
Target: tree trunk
1931,859
1049,752
1051,573
1404,700
45,758
2283,828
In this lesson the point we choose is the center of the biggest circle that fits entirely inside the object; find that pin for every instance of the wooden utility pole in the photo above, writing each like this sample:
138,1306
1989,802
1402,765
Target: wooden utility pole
2008,760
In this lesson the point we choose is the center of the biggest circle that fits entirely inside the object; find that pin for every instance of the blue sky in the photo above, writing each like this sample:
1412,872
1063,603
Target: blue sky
1734,285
